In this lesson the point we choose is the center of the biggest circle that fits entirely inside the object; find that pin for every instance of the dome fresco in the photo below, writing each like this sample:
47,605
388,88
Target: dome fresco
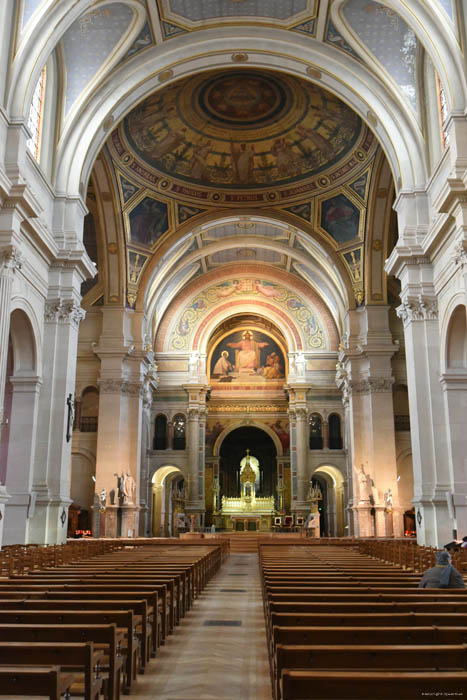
239,130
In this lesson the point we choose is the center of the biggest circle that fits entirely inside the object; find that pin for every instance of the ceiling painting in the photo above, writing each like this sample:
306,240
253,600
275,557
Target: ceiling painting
144,39
185,212
336,39
189,16
127,189
242,289
360,186
340,218
147,221
241,137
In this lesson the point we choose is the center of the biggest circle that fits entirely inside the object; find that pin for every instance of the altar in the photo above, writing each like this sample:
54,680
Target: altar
248,511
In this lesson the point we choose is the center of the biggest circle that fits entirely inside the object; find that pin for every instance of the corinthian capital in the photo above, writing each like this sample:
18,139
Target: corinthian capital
420,308
69,311
10,260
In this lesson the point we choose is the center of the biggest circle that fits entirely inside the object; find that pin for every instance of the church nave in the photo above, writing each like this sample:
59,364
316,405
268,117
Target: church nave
219,651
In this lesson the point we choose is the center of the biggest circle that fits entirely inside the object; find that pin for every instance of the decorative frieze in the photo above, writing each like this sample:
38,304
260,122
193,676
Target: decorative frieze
64,312
121,386
420,308
372,385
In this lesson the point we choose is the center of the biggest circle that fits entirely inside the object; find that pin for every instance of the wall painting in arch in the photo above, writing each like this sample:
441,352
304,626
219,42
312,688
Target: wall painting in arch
247,357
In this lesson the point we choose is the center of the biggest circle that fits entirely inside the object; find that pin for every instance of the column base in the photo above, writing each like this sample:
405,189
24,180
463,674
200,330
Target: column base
49,523
364,520
15,522
4,498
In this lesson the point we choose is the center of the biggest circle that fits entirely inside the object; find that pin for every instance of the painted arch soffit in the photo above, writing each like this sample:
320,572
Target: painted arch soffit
233,294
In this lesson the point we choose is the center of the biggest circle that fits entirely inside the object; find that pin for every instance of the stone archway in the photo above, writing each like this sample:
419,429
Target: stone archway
232,451
164,507
22,397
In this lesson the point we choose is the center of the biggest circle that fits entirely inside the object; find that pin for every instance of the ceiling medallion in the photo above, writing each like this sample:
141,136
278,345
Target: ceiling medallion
239,57
314,72
165,75
108,122
112,248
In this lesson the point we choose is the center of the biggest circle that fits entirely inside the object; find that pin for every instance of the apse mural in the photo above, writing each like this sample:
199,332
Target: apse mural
247,357
241,130
340,218
148,221
243,287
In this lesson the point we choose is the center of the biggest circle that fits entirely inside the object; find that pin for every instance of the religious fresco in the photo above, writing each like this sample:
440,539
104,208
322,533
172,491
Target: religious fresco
213,429
148,220
340,218
136,261
245,287
247,357
282,429
215,138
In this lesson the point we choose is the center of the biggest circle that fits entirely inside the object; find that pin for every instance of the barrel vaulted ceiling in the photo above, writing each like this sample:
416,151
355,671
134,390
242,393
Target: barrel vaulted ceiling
243,165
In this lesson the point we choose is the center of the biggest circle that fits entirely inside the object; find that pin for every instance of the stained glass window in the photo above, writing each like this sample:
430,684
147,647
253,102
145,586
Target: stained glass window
35,118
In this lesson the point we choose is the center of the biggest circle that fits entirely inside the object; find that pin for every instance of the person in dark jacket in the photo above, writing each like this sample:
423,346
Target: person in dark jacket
443,574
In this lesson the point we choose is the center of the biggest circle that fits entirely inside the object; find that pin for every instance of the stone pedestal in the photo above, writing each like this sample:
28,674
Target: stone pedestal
109,522
130,521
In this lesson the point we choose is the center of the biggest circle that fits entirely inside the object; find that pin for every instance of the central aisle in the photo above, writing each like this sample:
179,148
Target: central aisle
219,651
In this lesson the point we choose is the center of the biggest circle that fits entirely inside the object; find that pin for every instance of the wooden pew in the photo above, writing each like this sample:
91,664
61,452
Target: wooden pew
370,658
122,618
369,685
71,657
107,638
35,680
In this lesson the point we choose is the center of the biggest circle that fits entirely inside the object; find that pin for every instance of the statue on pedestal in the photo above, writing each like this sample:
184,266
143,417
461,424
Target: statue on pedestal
126,488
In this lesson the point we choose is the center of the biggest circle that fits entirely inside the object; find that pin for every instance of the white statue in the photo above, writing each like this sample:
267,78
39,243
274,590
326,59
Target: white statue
300,364
364,490
193,364
388,498
103,497
127,487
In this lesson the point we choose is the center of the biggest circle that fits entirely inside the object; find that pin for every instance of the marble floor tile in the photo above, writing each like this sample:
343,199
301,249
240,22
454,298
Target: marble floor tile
216,662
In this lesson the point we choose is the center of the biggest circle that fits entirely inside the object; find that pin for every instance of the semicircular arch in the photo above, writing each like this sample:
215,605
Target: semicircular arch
251,423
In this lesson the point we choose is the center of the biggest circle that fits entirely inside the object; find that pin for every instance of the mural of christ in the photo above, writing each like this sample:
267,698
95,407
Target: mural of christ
247,353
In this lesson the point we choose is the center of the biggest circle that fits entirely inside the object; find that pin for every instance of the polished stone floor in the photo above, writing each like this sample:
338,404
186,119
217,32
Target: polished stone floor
219,651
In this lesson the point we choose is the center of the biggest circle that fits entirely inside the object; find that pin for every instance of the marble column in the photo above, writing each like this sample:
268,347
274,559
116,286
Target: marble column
299,447
52,471
432,479
10,262
196,429
365,376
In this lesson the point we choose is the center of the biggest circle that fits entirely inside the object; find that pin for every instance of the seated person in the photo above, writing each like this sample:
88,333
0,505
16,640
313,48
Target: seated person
443,574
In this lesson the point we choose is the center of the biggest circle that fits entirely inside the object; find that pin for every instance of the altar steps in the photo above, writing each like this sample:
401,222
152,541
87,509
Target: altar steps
242,542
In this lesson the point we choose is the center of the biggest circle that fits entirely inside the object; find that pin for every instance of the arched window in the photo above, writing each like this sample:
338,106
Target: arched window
335,436
179,423
442,112
89,410
36,116
160,432
316,432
